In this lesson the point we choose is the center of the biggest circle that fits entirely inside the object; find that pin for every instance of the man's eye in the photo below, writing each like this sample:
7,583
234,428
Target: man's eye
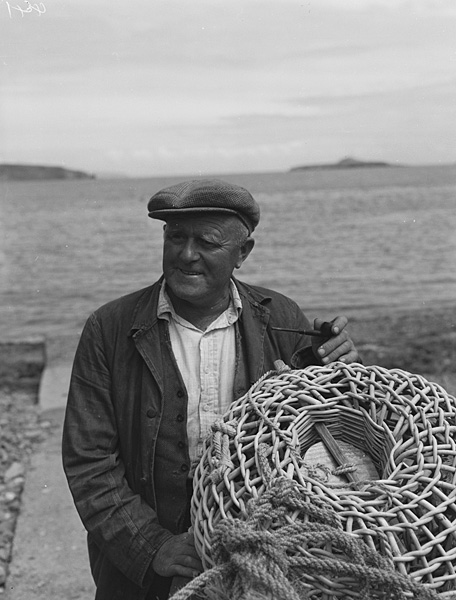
175,237
207,244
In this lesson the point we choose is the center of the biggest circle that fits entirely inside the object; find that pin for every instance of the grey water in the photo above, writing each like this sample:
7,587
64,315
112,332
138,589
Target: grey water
342,241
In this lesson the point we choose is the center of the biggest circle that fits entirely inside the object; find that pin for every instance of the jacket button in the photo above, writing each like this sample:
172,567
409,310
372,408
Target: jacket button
184,468
143,480
180,445
151,413
180,393
180,418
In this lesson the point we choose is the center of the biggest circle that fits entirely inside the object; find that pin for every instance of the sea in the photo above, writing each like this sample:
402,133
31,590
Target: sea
364,241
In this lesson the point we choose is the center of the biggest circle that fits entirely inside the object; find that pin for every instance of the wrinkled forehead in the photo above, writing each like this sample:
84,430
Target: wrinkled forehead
203,222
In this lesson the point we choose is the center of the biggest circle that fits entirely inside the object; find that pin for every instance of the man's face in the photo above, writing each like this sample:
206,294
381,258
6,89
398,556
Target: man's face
199,256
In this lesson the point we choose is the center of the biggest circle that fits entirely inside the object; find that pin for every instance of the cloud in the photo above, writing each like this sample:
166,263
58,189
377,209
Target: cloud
180,83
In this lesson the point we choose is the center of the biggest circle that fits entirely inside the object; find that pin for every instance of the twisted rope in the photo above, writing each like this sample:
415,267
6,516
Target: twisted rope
256,558
221,434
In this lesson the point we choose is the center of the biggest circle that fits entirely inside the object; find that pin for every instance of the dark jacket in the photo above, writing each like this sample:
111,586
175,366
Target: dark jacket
125,385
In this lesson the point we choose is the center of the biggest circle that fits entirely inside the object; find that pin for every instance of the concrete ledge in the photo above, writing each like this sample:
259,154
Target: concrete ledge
49,559
22,363
54,387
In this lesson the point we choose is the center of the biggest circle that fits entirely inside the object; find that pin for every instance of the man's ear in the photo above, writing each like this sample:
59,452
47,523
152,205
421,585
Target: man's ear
245,250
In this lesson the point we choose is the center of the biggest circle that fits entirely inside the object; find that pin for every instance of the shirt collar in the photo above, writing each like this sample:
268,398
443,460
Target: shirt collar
165,309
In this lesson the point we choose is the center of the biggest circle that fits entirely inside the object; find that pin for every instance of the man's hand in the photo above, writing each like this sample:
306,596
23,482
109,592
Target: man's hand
177,556
337,347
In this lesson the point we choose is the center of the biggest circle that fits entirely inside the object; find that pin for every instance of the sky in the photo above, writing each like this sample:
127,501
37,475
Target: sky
176,87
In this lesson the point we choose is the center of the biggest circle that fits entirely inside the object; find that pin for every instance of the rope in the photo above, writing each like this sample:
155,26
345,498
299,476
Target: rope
221,434
255,558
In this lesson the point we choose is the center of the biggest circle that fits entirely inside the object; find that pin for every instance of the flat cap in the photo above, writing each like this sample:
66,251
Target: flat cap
203,195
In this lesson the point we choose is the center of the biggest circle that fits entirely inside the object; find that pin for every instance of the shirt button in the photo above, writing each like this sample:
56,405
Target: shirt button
180,418
180,393
151,413
184,468
206,407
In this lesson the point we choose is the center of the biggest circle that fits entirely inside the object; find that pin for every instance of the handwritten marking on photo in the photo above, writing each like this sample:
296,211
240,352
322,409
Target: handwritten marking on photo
37,7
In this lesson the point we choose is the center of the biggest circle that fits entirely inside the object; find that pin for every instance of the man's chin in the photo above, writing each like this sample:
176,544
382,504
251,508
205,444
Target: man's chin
189,290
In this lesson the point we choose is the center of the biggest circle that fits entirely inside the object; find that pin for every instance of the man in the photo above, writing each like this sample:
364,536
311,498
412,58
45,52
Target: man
155,368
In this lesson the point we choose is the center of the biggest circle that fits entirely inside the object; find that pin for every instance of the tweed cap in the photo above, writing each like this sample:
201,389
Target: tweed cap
203,195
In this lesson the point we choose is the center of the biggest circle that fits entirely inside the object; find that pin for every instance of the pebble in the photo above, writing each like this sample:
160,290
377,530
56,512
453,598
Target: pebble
15,470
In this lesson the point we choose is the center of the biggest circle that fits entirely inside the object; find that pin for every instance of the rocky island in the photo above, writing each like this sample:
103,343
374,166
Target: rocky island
10,172
345,163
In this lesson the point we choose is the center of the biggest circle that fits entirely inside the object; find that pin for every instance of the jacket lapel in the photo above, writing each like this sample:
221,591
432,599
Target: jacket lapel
145,331
254,319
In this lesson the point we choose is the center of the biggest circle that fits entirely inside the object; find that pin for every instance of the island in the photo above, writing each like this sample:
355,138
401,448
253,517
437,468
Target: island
345,163
10,172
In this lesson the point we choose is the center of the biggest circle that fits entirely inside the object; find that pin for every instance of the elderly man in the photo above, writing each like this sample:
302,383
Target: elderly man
155,368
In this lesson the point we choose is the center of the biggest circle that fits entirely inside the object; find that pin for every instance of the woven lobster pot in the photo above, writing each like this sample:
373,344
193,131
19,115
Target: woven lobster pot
404,423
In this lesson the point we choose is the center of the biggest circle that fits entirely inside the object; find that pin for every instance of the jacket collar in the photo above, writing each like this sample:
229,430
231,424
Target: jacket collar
145,311
253,295
255,320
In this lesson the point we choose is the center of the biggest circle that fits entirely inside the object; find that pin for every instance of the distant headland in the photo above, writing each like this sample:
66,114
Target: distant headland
345,163
34,172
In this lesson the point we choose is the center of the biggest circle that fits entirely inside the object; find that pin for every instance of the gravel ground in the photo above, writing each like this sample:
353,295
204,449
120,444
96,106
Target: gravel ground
420,341
21,430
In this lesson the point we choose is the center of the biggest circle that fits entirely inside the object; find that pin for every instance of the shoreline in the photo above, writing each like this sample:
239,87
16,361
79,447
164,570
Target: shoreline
418,340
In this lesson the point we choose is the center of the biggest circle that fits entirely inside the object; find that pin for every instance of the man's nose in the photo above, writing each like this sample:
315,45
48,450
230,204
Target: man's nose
189,252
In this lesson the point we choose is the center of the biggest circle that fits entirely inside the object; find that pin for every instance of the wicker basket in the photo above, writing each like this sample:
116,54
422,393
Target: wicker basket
406,516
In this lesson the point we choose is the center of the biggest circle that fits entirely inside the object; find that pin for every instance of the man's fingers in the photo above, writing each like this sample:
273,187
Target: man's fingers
338,324
351,357
339,346
333,343
177,556
333,354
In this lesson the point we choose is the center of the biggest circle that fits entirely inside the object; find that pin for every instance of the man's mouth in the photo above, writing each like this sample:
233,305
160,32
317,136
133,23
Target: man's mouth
190,273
